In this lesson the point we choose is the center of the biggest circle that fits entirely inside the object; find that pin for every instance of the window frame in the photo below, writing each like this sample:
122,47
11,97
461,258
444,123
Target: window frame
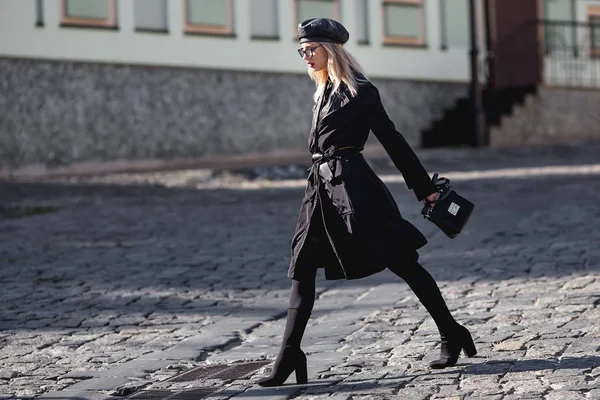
194,28
404,40
593,12
110,22
443,26
277,35
39,13
165,6
365,21
336,14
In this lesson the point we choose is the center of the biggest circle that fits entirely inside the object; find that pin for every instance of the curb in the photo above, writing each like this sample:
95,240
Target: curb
236,161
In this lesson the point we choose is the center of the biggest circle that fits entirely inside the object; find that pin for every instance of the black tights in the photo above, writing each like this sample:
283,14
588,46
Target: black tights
302,294
427,291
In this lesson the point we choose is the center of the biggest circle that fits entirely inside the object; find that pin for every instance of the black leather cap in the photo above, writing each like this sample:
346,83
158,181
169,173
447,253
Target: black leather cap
322,30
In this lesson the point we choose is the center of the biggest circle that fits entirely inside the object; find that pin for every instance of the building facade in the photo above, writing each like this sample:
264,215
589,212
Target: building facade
544,76
108,80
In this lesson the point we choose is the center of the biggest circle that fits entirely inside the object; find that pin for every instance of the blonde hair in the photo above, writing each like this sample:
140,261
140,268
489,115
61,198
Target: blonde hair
341,67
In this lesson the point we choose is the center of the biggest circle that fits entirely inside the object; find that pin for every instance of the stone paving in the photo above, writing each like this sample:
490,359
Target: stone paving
114,286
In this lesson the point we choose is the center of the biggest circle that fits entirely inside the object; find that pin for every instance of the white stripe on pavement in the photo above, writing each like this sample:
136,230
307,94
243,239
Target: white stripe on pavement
503,173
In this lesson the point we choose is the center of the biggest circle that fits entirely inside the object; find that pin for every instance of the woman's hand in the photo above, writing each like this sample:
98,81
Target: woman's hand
431,197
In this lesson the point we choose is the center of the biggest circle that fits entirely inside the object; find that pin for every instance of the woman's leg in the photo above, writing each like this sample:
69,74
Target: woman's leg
300,305
290,357
426,289
302,293
454,336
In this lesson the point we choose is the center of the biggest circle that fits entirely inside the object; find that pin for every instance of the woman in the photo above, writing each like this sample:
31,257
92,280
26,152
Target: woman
349,223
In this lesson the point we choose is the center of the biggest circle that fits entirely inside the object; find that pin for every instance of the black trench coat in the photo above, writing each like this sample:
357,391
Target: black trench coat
351,225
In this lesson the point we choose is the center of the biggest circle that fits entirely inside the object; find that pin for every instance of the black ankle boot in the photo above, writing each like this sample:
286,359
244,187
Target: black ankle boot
452,344
289,360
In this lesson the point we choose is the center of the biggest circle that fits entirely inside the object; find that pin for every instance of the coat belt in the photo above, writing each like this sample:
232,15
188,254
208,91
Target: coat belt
318,158
321,158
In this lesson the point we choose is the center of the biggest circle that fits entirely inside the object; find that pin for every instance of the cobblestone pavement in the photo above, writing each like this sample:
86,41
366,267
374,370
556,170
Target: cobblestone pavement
113,287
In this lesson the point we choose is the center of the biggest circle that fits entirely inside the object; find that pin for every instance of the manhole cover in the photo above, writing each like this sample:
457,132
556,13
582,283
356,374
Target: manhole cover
195,394
227,372
240,370
199,373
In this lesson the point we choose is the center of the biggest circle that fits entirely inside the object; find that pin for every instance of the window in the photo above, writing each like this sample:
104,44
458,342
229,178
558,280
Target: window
594,20
560,35
455,23
403,22
558,10
306,9
151,15
39,13
362,22
96,13
209,16
263,19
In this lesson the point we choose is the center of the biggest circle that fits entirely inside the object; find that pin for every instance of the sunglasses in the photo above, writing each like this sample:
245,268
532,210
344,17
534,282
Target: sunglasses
309,52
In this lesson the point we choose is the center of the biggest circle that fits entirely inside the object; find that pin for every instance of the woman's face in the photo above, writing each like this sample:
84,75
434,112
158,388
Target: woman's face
315,55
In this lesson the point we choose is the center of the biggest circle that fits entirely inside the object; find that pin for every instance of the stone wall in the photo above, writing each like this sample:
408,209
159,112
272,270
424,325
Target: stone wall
59,113
552,115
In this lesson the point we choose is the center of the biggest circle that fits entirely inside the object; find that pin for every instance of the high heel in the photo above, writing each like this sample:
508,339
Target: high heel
302,371
452,344
291,359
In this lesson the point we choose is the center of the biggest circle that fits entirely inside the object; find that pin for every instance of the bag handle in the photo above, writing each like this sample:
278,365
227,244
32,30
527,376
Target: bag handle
443,187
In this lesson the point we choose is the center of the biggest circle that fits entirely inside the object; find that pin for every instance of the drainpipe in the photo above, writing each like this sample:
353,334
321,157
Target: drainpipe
490,44
478,117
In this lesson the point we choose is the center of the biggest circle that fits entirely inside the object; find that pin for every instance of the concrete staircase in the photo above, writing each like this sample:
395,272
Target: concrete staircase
455,129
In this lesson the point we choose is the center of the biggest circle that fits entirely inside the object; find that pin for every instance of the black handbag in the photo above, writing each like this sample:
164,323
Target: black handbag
451,211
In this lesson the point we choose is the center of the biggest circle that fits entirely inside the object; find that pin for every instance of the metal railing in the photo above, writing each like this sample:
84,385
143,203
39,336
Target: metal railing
571,53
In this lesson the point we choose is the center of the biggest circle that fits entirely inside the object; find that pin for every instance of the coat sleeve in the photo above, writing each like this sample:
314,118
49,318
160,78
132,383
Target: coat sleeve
403,157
